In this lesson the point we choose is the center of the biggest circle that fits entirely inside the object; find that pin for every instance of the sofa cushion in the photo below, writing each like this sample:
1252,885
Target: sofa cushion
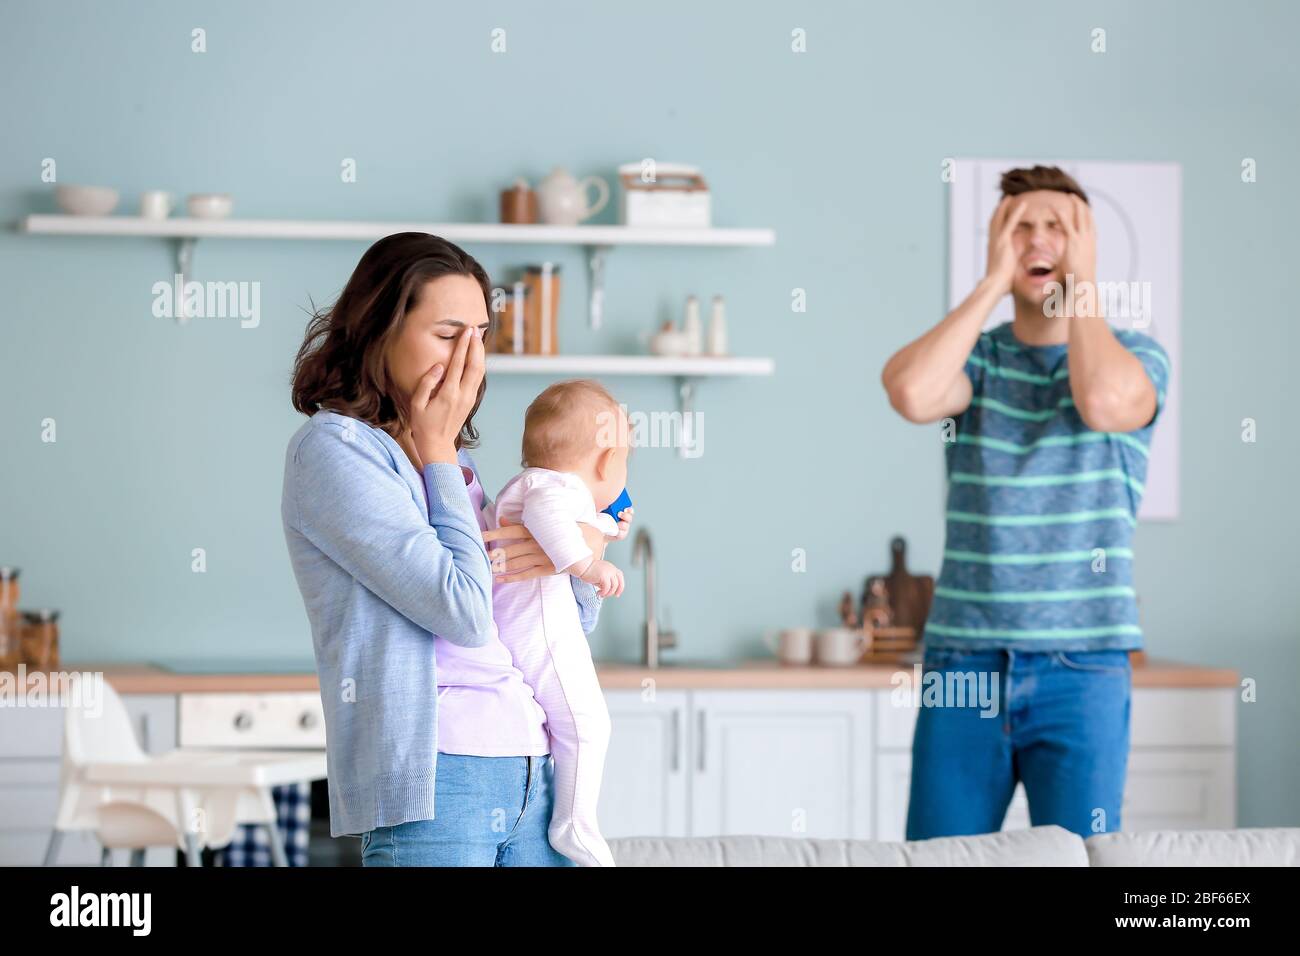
1038,846
1279,846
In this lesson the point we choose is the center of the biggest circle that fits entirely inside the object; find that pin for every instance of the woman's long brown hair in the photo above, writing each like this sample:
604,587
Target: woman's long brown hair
341,365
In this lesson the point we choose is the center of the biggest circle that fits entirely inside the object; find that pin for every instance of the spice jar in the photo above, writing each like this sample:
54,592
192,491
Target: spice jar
542,309
507,334
10,646
40,639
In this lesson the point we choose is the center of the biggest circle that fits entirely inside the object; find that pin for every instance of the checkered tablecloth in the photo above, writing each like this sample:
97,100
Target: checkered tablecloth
293,816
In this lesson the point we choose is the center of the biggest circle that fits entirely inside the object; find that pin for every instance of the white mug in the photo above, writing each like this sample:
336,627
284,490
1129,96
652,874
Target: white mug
155,204
794,645
841,646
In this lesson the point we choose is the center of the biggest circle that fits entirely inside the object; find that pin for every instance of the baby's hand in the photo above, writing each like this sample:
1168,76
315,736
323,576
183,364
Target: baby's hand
607,578
624,524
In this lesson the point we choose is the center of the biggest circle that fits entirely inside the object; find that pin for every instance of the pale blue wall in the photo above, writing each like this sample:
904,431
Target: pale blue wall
171,438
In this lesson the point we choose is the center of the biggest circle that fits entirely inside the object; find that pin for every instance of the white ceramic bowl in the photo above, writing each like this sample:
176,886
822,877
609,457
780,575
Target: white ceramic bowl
86,200
670,343
209,205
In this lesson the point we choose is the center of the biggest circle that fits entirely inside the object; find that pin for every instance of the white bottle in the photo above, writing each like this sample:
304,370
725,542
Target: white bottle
718,327
691,328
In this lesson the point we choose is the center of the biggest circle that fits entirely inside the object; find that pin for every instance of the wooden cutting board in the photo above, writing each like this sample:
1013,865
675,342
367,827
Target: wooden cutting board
909,594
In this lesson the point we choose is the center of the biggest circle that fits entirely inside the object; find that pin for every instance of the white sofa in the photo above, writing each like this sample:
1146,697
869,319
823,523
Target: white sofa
1036,846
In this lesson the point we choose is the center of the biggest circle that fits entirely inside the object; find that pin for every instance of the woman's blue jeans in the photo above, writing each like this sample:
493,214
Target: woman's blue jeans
490,811
1061,725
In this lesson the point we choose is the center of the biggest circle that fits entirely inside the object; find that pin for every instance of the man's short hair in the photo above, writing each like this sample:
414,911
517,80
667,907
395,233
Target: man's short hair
1017,181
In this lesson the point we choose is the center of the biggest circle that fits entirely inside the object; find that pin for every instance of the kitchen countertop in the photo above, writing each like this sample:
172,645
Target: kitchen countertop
755,674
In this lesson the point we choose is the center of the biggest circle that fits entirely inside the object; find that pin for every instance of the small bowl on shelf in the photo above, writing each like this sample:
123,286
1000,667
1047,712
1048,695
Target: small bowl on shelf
209,205
86,200
670,343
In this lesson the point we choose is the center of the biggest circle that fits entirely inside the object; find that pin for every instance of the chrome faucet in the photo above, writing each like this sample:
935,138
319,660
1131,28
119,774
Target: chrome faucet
653,638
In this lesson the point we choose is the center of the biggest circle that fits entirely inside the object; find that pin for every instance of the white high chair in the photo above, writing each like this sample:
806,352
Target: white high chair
185,798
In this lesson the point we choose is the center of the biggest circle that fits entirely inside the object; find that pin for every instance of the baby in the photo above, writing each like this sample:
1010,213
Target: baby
575,464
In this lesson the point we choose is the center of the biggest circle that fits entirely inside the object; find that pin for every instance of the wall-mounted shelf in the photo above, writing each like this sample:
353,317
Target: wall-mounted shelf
179,228
597,240
686,370
686,367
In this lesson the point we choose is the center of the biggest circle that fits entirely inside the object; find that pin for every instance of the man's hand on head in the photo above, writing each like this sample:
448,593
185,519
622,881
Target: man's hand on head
1002,252
1080,258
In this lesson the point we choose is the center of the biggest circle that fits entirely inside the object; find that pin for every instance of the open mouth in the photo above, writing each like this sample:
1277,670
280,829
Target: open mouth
1039,272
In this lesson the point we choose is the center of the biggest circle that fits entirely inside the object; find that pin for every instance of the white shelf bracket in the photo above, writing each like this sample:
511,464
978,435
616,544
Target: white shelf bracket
596,268
184,265
686,407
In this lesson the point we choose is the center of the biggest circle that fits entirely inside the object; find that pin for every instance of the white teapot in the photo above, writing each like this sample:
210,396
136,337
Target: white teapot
562,200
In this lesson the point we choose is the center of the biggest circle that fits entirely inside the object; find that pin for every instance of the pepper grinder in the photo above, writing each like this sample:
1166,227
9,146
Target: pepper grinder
718,327
691,328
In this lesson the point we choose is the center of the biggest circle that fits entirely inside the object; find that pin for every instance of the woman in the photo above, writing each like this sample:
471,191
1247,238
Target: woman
382,513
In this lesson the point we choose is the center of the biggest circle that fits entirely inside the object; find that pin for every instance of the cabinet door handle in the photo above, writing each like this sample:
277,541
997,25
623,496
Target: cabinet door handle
700,765
677,740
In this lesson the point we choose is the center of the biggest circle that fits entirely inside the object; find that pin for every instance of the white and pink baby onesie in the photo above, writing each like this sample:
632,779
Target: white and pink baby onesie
537,620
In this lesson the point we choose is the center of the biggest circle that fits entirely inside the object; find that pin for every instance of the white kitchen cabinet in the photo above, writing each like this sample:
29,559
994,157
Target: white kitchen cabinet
645,787
1180,789
1181,766
781,763
893,783
1160,717
893,780
31,747
1183,717
1165,789
699,762
1017,817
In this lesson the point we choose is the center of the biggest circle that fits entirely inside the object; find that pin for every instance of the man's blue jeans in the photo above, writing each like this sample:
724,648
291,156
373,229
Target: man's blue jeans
490,811
1061,727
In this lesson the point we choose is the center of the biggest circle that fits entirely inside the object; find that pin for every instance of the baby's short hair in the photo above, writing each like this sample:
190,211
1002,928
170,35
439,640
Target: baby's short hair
563,423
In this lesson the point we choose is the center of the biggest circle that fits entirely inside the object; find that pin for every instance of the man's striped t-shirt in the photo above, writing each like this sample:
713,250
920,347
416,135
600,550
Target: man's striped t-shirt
1041,509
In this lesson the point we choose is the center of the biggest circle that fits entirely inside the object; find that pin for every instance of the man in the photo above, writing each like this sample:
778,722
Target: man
1048,420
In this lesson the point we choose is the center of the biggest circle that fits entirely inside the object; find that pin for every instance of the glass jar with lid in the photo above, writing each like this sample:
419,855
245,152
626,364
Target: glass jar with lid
40,639
10,643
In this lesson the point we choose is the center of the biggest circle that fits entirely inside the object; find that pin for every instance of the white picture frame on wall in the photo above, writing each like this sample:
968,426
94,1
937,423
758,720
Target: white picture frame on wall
1137,208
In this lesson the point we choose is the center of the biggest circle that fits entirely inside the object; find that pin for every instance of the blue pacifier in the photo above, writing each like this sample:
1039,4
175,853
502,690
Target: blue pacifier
621,502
